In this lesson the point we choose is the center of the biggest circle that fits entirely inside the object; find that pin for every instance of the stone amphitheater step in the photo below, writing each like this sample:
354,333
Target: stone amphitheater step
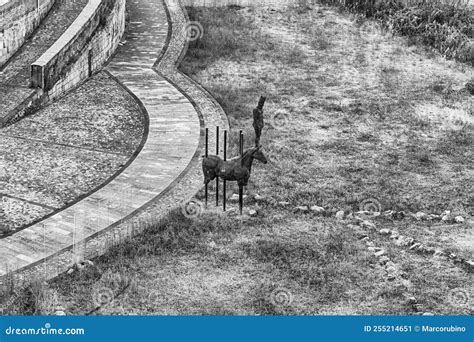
15,74
50,159
164,174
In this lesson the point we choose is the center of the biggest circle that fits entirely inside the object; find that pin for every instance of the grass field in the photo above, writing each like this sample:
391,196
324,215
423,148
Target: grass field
445,25
352,114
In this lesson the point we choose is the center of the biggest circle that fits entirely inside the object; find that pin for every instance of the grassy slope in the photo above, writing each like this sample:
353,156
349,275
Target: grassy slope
445,25
365,116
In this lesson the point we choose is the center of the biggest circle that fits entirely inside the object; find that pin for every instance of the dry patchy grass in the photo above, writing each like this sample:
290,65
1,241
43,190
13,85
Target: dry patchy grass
364,116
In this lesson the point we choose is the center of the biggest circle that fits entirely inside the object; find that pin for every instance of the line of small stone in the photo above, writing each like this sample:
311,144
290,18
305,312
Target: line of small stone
361,220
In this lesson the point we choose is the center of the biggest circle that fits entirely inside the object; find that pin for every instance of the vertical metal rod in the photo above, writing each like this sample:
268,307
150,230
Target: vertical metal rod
217,178
241,143
224,190
241,188
207,154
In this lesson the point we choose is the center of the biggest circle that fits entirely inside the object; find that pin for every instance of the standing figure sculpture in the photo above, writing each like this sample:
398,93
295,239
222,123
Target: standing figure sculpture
258,123
235,169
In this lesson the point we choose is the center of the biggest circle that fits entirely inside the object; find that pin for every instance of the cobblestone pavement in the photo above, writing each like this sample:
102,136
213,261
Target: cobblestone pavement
15,74
164,173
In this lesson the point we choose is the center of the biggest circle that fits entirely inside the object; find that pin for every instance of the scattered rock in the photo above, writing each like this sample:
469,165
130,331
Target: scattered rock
303,209
412,300
385,231
394,235
235,197
370,244
252,213
284,204
371,249
459,219
368,225
415,246
60,313
365,239
446,217
212,244
380,253
428,314
391,269
259,198
340,215
83,264
421,216
317,209
361,234
404,241
438,253
433,217
384,260
391,277
70,271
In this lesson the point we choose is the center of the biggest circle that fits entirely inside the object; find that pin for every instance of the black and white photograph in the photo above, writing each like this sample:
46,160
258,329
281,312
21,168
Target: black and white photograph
236,158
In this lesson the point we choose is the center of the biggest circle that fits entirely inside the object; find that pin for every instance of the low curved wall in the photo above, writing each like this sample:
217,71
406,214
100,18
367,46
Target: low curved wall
18,20
82,49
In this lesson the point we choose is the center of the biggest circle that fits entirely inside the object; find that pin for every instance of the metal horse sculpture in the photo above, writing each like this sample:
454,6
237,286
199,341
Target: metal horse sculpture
235,169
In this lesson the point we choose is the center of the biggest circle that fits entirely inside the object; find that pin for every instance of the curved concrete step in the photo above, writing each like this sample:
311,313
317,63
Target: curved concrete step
164,174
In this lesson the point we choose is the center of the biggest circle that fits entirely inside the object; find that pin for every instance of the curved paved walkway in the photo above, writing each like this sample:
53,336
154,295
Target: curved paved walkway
165,172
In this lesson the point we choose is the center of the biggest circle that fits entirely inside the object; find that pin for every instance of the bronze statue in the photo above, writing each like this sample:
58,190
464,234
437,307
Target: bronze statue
235,169
258,123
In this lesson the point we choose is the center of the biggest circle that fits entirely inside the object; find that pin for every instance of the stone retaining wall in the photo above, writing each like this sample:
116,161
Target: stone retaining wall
82,49
18,20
